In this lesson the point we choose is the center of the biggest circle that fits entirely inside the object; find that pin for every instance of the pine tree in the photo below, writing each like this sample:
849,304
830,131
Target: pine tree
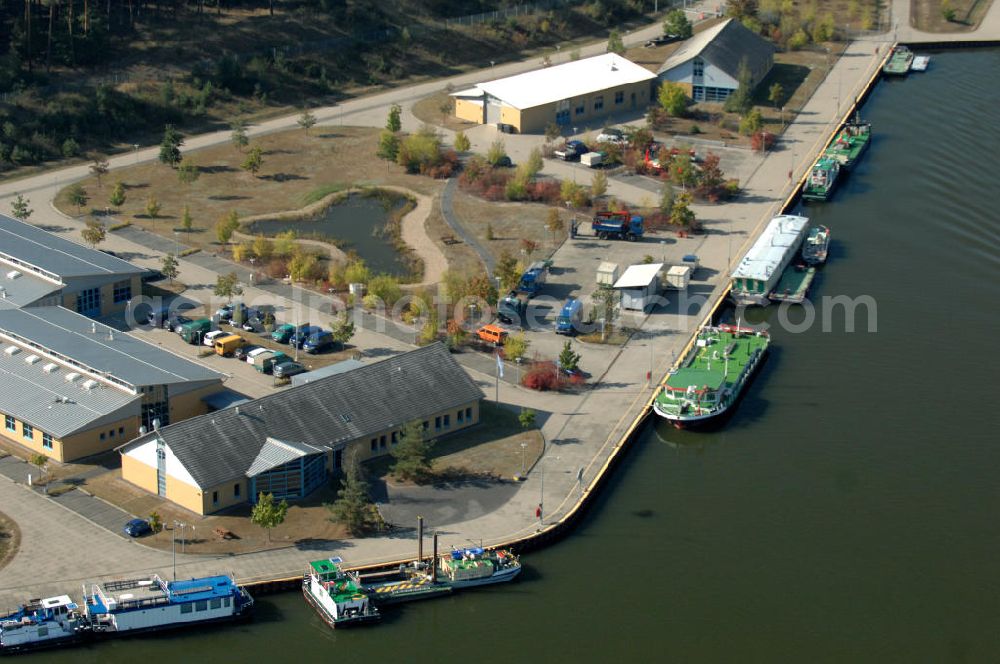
412,453
20,207
353,506
78,196
170,146
307,120
567,358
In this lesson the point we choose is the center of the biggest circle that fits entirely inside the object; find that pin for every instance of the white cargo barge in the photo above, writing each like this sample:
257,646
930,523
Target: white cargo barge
761,268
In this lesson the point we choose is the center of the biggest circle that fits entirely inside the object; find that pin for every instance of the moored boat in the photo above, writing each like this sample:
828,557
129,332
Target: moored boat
920,63
760,269
150,603
42,623
850,143
794,284
822,179
899,62
816,245
712,376
337,596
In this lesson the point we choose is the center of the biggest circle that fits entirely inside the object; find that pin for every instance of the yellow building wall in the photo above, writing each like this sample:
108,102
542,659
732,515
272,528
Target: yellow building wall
226,496
139,474
363,447
469,111
512,116
76,446
534,120
189,404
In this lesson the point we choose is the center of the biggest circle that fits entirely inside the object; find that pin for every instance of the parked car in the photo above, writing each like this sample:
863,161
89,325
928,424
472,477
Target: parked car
611,135
208,339
253,353
571,151
242,352
302,334
283,333
663,40
287,368
318,343
225,312
137,528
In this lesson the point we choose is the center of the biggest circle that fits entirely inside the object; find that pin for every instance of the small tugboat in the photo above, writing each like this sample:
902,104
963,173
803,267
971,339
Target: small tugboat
151,603
850,143
822,180
478,567
899,62
42,623
337,596
712,376
816,245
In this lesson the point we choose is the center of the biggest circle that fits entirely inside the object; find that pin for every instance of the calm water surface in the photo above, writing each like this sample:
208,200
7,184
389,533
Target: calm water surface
849,512
355,223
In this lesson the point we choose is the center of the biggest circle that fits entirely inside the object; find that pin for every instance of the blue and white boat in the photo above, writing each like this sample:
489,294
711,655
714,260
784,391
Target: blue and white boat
153,604
42,623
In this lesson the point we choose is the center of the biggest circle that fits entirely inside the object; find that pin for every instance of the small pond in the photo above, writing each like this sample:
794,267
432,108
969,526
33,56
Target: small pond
356,223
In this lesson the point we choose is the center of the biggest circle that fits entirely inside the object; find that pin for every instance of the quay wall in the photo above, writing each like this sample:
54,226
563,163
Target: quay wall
555,531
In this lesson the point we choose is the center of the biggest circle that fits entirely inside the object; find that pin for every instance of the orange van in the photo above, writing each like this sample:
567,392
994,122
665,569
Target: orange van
493,334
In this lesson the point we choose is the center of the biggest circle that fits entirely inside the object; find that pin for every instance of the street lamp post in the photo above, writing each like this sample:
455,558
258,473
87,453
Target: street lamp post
524,448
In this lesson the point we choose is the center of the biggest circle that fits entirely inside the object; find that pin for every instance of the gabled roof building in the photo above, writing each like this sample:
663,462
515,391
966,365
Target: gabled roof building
708,64
288,442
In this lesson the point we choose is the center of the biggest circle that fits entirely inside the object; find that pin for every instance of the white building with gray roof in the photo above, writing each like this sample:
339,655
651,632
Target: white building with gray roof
287,443
38,268
71,387
708,64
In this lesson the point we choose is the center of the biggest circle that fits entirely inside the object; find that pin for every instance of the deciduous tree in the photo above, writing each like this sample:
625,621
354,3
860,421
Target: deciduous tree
117,197
78,196
93,232
254,160
152,207
554,223
307,120
515,346
394,121
239,135
267,514
169,267
228,286
672,99
187,223
615,42
462,142
188,171
598,184
99,167
677,23
508,270
526,417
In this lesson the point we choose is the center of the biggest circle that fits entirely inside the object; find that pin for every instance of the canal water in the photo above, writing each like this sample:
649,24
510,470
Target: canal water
354,224
850,510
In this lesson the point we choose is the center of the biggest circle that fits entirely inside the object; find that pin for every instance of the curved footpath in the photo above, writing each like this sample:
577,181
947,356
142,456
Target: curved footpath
579,432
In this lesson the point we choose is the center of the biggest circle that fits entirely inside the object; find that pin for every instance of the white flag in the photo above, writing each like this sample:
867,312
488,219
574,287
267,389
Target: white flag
499,366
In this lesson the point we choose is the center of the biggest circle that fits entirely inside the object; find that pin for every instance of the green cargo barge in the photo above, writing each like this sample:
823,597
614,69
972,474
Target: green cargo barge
850,143
899,62
712,376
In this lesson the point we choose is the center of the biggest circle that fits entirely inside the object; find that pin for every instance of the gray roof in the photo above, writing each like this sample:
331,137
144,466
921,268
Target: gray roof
50,402
24,289
24,243
83,342
725,46
275,453
381,396
323,372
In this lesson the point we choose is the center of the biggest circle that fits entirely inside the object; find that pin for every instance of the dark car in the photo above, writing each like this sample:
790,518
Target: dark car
286,369
137,528
227,311
571,151
241,352
302,334
662,40
177,323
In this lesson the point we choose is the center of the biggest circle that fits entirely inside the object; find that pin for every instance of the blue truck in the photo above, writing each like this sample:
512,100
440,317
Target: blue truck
568,320
532,279
620,225
511,309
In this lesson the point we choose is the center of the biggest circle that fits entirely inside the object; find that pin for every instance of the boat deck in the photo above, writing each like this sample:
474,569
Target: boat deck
794,284
708,366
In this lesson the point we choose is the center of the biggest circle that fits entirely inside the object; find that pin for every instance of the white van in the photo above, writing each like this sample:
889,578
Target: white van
257,352
210,337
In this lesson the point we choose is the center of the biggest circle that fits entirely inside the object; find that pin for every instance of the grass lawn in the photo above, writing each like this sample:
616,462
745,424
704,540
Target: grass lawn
296,167
969,14
429,110
491,449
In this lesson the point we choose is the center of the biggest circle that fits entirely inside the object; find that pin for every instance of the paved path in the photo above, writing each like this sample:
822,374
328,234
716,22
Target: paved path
448,212
59,549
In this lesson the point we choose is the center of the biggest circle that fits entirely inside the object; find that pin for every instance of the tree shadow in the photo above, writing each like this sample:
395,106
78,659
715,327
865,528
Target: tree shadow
283,177
229,197
217,168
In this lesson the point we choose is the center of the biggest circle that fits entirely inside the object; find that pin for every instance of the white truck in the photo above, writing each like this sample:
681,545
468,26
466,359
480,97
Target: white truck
592,159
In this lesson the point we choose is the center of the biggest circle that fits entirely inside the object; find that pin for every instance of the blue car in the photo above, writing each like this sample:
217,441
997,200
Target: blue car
137,528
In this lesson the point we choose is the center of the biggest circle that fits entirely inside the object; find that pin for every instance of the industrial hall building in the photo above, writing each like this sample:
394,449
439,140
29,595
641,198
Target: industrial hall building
574,94
38,268
71,387
288,443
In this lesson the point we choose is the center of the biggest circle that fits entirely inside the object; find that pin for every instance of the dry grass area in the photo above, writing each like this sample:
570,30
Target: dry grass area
438,109
306,523
10,539
492,449
462,258
927,16
511,222
295,165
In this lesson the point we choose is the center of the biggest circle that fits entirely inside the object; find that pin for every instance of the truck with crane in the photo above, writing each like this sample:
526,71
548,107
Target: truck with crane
617,225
